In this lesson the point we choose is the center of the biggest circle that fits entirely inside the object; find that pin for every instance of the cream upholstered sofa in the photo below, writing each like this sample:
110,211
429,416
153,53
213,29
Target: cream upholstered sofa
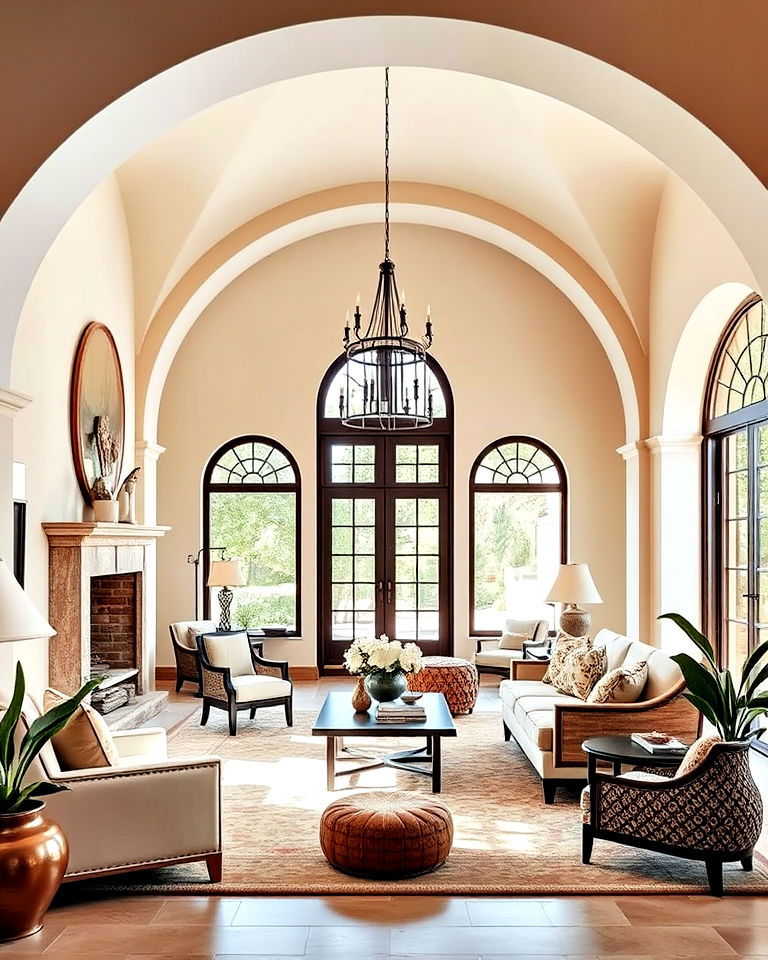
150,811
495,654
550,726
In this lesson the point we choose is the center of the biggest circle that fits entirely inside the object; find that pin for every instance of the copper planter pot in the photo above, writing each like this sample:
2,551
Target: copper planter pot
33,857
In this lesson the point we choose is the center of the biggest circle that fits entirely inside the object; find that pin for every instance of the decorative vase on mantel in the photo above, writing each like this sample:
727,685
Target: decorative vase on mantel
360,699
384,686
106,511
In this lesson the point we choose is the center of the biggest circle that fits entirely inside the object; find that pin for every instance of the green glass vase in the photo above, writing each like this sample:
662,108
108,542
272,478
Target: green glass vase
383,686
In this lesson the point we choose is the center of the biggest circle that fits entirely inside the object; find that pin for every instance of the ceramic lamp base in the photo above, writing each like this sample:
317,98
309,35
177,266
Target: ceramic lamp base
225,603
575,622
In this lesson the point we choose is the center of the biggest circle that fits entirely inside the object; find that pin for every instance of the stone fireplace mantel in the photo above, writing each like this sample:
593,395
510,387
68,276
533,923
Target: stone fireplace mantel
79,552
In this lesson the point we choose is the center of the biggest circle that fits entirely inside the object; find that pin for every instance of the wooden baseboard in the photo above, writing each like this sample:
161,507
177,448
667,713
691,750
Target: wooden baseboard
304,673
297,673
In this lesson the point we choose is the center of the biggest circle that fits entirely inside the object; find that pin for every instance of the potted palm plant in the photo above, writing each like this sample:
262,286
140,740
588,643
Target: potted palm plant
33,850
731,707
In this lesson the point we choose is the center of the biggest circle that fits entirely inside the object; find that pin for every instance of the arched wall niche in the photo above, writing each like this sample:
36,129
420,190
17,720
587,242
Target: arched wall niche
107,139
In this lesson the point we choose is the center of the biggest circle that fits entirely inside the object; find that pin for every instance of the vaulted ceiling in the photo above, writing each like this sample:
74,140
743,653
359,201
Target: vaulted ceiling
585,182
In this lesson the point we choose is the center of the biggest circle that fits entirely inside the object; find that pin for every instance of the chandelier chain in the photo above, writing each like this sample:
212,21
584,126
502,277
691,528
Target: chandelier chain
386,163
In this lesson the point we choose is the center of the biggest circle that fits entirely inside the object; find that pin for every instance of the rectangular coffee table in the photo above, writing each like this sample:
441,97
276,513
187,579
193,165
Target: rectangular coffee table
337,720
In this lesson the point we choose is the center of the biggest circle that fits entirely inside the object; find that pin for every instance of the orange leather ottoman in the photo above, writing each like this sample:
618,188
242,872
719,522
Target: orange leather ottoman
386,836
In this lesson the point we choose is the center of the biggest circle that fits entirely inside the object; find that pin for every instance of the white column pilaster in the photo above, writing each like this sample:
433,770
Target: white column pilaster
675,533
636,459
147,454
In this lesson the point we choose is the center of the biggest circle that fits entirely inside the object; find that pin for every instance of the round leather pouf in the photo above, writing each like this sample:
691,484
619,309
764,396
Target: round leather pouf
386,836
456,679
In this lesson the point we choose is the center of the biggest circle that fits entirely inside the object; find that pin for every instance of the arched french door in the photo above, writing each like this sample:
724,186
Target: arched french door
385,528
736,471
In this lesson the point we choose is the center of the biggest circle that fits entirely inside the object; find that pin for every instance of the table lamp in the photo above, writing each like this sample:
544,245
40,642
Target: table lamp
572,587
225,574
19,617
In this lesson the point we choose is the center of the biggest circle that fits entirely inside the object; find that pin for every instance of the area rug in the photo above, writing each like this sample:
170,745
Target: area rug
507,842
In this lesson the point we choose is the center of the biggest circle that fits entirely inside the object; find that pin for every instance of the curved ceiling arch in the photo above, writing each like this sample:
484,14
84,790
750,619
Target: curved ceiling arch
255,241
684,144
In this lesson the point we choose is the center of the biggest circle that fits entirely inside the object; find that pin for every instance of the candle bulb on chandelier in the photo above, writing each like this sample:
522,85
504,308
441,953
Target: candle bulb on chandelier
346,328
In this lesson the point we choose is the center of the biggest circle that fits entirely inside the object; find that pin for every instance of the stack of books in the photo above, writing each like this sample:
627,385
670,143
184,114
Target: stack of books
655,742
399,712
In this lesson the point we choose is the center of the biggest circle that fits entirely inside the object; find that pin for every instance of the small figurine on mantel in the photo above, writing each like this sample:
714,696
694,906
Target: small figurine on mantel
127,497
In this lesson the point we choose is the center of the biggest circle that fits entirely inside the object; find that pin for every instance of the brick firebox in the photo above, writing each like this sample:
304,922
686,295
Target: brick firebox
116,619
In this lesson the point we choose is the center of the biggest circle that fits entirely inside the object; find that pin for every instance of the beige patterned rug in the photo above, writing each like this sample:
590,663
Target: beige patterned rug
507,841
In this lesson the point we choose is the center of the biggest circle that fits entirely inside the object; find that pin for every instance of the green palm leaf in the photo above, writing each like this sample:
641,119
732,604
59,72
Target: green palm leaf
693,634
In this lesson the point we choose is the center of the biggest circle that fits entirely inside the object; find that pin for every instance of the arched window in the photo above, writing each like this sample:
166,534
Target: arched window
251,491
385,518
518,531
736,473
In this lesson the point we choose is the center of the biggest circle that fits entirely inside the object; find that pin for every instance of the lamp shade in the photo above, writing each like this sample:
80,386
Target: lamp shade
574,584
225,573
19,617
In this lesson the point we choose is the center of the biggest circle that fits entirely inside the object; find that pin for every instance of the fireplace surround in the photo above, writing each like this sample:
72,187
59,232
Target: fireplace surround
101,589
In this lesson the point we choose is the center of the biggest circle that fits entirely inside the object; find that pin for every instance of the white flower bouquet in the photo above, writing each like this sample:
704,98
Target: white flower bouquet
382,655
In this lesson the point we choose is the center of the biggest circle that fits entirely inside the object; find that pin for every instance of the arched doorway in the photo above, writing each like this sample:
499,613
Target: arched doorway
385,527
735,432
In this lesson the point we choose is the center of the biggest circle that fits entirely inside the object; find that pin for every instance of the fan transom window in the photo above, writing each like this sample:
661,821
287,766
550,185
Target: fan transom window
254,461
741,374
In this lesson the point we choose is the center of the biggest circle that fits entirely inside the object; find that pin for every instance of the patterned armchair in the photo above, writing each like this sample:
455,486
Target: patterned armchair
709,810
234,677
184,635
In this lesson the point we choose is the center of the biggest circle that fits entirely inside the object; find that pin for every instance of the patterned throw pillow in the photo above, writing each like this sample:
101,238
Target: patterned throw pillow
513,641
582,669
85,741
622,685
564,644
697,754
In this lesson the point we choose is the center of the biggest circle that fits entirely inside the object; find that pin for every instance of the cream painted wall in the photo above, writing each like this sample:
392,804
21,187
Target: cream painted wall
85,276
692,255
519,356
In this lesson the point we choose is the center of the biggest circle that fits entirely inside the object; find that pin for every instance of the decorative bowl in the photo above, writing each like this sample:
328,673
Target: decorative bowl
274,630
411,696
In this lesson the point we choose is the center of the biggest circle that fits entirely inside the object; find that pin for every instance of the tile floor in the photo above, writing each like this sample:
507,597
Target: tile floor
375,928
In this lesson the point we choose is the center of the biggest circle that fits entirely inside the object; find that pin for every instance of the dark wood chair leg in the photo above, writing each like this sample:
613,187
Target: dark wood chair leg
586,843
179,682
507,731
747,862
214,867
715,877
232,718
550,789
289,712
252,713
206,711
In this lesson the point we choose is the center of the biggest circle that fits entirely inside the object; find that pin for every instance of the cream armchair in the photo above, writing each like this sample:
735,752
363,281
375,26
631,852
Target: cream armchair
495,654
235,677
184,635
150,811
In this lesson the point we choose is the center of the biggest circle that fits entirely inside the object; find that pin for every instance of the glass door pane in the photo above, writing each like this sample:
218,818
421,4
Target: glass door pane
737,547
352,579
416,600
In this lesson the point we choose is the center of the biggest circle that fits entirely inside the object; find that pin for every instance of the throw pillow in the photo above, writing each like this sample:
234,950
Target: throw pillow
622,685
563,645
582,669
85,741
697,753
513,641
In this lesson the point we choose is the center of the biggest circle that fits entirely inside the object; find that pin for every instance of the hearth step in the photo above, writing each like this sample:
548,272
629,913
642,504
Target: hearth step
138,711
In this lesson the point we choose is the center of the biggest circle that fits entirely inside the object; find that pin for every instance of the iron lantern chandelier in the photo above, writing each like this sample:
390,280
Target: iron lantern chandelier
386,382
